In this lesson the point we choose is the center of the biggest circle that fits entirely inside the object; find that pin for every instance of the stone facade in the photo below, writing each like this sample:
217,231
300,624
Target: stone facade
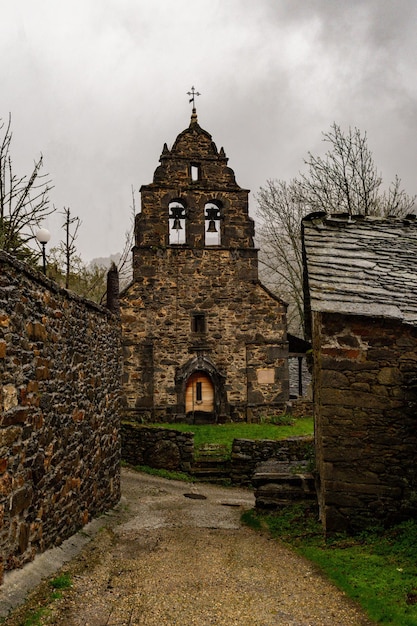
361,299
203,338
60,371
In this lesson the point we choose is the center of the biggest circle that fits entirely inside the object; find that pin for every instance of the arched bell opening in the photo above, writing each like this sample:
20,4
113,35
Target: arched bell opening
212,216
177,222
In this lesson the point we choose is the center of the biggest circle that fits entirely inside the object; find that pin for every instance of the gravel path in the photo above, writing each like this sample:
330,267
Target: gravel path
176,554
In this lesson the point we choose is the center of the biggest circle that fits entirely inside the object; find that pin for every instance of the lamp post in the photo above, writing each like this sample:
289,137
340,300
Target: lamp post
43,236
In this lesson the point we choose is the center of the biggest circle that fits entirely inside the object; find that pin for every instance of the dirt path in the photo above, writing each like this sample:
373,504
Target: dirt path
176,554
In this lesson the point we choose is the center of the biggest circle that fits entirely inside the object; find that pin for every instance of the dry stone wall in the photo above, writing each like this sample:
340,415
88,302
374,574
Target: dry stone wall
292,454
174,450
60,371
161,448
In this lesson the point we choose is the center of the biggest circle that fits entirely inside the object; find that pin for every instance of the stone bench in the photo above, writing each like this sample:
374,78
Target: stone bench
276,487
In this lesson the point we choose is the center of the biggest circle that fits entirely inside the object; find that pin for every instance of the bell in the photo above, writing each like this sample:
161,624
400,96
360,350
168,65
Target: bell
212,227
177,224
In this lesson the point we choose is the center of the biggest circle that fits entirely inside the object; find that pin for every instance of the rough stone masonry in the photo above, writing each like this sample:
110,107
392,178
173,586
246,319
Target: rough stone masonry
60,373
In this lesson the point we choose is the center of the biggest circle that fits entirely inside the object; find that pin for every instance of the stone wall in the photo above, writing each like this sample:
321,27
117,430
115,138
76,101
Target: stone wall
174,450
162,448
60,372
365,401
293,454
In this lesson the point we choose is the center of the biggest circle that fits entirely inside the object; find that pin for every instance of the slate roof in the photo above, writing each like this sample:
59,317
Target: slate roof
361,265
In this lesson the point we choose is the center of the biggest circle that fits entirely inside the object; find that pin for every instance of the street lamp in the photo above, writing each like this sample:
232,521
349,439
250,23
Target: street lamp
43,236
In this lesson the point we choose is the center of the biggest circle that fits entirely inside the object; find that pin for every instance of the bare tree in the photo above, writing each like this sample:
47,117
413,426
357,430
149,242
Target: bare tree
124,266
68,246
279,236
24,201
344,181
88,281
67,268
395,201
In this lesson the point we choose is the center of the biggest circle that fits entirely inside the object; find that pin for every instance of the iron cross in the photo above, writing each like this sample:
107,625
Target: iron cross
193,93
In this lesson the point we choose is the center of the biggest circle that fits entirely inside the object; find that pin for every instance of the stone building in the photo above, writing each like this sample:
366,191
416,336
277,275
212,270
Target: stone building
361,298
203,339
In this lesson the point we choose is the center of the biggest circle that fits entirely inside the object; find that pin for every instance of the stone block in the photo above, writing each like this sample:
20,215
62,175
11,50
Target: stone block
9,396
5,484
36,331
334,379
389,376
21,500
339,397
23,539
17,415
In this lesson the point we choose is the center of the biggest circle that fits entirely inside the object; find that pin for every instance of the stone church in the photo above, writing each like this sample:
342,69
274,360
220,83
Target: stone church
203,339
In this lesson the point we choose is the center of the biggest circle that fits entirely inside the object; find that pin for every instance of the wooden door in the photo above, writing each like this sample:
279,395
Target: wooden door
199,393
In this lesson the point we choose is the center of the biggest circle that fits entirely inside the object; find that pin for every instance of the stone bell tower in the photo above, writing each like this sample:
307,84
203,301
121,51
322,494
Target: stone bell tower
203,339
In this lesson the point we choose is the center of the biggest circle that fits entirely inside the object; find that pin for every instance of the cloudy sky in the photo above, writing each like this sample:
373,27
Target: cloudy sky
98,86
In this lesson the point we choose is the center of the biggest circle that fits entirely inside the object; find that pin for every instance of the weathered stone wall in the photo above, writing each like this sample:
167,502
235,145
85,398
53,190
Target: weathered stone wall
366,421
245,334
293,454
60,371
161,448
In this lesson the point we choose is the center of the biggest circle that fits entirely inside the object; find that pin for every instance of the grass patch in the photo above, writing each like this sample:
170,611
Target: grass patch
377,569
224,434
34,618
39,607
61,582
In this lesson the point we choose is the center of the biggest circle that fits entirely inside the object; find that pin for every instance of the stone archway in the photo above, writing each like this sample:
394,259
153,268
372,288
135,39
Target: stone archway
200,391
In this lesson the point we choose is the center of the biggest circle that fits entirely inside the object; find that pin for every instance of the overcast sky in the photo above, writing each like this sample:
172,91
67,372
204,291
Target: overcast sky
98,86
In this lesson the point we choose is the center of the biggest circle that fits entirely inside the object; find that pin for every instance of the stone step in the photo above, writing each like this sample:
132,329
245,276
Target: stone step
210,462
211,469
212,451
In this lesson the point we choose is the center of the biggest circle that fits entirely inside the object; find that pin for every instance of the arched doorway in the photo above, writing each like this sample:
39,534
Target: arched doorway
199,397
213,406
